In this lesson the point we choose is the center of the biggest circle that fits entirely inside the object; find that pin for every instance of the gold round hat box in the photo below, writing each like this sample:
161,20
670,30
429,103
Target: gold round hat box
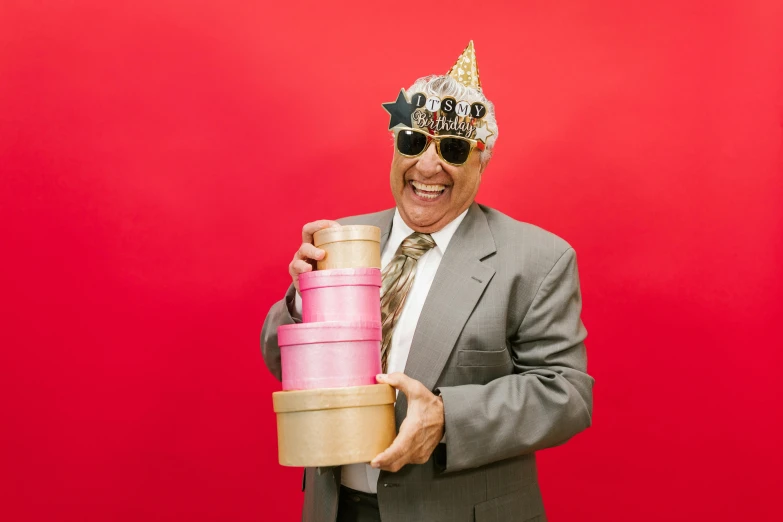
334,426
351,246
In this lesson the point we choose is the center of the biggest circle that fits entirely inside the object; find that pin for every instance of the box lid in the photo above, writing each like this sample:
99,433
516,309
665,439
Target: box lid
331,398
347,233
328,332
340,277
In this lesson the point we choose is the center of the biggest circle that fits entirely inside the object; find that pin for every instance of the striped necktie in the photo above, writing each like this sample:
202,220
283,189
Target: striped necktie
397,281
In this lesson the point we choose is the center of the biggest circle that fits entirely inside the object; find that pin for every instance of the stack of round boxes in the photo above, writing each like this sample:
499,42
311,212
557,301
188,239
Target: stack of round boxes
331,411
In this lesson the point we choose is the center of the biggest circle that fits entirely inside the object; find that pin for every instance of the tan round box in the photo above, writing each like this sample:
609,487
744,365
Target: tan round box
351,246
334,426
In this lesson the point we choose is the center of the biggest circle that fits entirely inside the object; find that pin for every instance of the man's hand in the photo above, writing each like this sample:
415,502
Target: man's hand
305,258
422,429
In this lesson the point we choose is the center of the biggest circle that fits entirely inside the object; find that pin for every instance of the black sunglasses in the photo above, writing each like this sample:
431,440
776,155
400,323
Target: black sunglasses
454,150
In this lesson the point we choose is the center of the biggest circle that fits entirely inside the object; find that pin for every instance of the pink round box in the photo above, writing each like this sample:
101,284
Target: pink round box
343,294
329,355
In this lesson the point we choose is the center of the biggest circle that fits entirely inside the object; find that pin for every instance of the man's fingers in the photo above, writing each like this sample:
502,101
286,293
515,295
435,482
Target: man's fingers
398,464
308,251
305,258
298,266
393,453
408,386
399,448
311,228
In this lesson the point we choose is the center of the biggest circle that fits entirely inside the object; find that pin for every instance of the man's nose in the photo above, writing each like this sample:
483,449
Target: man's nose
429,161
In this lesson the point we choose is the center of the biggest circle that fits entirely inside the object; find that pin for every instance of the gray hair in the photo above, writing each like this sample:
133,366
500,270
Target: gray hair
441,86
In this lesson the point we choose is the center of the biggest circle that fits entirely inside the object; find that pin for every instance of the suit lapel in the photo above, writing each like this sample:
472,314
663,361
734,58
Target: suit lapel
384,222
458,285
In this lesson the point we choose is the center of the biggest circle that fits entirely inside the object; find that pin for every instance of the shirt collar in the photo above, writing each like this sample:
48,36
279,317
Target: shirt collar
400,230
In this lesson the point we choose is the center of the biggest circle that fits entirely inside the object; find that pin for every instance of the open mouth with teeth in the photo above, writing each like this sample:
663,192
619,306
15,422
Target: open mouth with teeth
427,192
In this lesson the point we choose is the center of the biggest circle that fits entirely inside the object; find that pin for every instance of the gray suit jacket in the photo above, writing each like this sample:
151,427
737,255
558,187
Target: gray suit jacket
500,336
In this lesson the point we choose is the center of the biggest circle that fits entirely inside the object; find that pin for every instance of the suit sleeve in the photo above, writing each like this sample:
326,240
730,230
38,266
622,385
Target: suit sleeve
547,400
282,312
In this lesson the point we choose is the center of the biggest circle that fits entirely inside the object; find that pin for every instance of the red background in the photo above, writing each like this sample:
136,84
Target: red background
158,160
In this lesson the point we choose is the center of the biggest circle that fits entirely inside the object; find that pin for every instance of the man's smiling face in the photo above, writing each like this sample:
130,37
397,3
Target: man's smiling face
431,193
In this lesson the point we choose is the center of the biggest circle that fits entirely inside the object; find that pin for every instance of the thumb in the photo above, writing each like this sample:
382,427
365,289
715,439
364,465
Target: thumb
401,382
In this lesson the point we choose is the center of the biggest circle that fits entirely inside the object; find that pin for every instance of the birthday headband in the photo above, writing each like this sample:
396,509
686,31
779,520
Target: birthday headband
445,115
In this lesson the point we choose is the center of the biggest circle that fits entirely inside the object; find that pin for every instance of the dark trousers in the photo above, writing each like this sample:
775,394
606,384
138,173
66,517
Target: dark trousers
357,506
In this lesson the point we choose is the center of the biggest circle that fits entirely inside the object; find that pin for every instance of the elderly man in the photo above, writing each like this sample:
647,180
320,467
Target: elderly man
485,344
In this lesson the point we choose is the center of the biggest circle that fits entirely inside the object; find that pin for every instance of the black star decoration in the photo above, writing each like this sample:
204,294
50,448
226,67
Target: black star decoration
399,110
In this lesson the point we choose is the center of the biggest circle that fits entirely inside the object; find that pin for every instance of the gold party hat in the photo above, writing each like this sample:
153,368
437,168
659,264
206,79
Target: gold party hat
465,71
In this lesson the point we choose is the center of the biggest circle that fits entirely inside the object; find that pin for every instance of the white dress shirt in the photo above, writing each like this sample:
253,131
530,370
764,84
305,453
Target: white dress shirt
363,477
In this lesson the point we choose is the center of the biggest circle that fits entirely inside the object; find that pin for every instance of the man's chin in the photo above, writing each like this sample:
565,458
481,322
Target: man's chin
423,219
